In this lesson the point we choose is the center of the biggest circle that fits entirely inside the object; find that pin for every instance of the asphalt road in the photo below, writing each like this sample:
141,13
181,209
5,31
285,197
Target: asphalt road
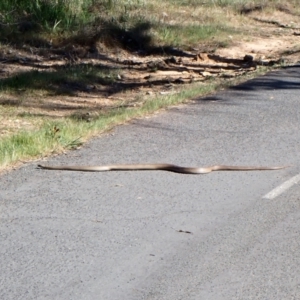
160,235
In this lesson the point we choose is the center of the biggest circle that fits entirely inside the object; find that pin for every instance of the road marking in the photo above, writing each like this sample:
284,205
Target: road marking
282,188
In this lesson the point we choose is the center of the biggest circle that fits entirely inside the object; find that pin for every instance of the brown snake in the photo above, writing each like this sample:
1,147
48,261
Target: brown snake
162,167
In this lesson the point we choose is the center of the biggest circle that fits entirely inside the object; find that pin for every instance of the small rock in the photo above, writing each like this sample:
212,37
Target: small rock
205,74
171,60
248,58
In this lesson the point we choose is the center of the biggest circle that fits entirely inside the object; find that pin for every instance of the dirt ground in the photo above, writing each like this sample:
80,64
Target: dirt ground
271,40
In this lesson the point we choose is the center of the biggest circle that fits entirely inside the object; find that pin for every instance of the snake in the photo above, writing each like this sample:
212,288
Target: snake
161,167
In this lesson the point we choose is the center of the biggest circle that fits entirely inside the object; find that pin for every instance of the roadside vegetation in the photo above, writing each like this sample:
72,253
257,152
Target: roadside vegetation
71,69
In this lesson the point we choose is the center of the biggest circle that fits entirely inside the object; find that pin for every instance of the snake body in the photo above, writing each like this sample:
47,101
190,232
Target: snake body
162,167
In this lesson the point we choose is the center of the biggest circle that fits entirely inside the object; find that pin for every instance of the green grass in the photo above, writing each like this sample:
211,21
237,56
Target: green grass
134,25
121,22
68,133
46,13
69,15
185,36
37,22
56,136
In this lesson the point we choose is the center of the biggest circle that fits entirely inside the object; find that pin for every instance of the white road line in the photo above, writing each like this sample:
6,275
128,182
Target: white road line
282,188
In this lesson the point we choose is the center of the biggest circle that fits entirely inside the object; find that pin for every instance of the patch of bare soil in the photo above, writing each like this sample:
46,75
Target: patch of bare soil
138,75
277,37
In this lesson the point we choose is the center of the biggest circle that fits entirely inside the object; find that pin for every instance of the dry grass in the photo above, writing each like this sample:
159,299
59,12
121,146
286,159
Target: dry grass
66,79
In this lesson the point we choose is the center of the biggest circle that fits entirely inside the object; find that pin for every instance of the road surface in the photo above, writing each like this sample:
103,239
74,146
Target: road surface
160,235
